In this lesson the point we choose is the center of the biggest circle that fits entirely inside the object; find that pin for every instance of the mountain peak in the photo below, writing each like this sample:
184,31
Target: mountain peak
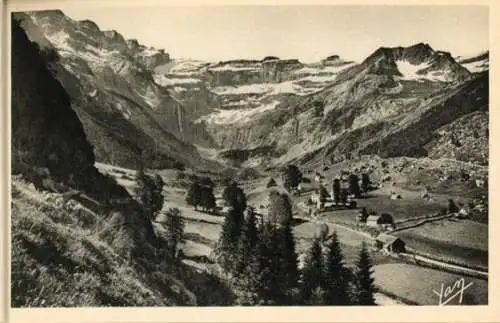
89,24
420,46
418,61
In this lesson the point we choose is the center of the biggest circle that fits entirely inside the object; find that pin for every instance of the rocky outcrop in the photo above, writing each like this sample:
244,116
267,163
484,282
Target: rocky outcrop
238,72
275,71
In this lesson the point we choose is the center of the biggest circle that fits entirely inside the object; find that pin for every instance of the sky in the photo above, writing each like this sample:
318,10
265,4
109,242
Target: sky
308,33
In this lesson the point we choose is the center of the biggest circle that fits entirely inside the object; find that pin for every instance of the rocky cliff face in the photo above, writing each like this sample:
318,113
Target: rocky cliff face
129,118
46,132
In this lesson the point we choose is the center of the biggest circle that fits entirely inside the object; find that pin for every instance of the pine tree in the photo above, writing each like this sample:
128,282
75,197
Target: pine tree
312,273
194,195
234,196
175,230
247,268
247,243
323,195
336,190
228,242
365,182
364,282
343,196
269,266
354,185
287,258
291,177
271,183
335,282
207,198
280,208
145,194
248,283
157,197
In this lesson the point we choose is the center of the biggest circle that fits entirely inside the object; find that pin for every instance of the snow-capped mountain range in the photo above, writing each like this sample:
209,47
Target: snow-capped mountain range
139,98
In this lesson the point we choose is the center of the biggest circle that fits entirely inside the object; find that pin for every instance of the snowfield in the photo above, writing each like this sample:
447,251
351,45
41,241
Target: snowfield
264,88
478,66
233,68
186,66
236,116
170,81
410,72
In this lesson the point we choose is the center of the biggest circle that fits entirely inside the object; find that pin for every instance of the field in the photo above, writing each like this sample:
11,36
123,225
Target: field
410,206
462,241
416,284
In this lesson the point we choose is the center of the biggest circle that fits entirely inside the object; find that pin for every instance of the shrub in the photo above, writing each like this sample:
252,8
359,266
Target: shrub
271,183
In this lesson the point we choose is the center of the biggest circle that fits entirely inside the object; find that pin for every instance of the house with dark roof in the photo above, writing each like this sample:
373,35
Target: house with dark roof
390,243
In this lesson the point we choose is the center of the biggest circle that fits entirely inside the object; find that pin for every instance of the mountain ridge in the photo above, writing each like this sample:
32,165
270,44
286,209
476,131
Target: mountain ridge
100,70
245,104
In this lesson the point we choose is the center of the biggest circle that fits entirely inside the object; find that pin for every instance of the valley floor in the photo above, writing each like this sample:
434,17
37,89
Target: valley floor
446,240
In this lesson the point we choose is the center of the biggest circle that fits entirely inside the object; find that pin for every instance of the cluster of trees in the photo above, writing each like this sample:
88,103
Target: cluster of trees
326,280
201,193
259,258
354,188
149,193
259,255
340,195
292,177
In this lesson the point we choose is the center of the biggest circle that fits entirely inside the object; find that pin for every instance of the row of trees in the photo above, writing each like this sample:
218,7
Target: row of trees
259,257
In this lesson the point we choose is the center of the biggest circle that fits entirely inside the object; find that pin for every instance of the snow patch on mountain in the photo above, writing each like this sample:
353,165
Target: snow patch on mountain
186,66
478,66
289,87
236,116
233,68
411,71
164,80
60,41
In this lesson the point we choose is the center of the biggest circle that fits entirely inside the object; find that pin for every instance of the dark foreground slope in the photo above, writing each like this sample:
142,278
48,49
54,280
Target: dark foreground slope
78,238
